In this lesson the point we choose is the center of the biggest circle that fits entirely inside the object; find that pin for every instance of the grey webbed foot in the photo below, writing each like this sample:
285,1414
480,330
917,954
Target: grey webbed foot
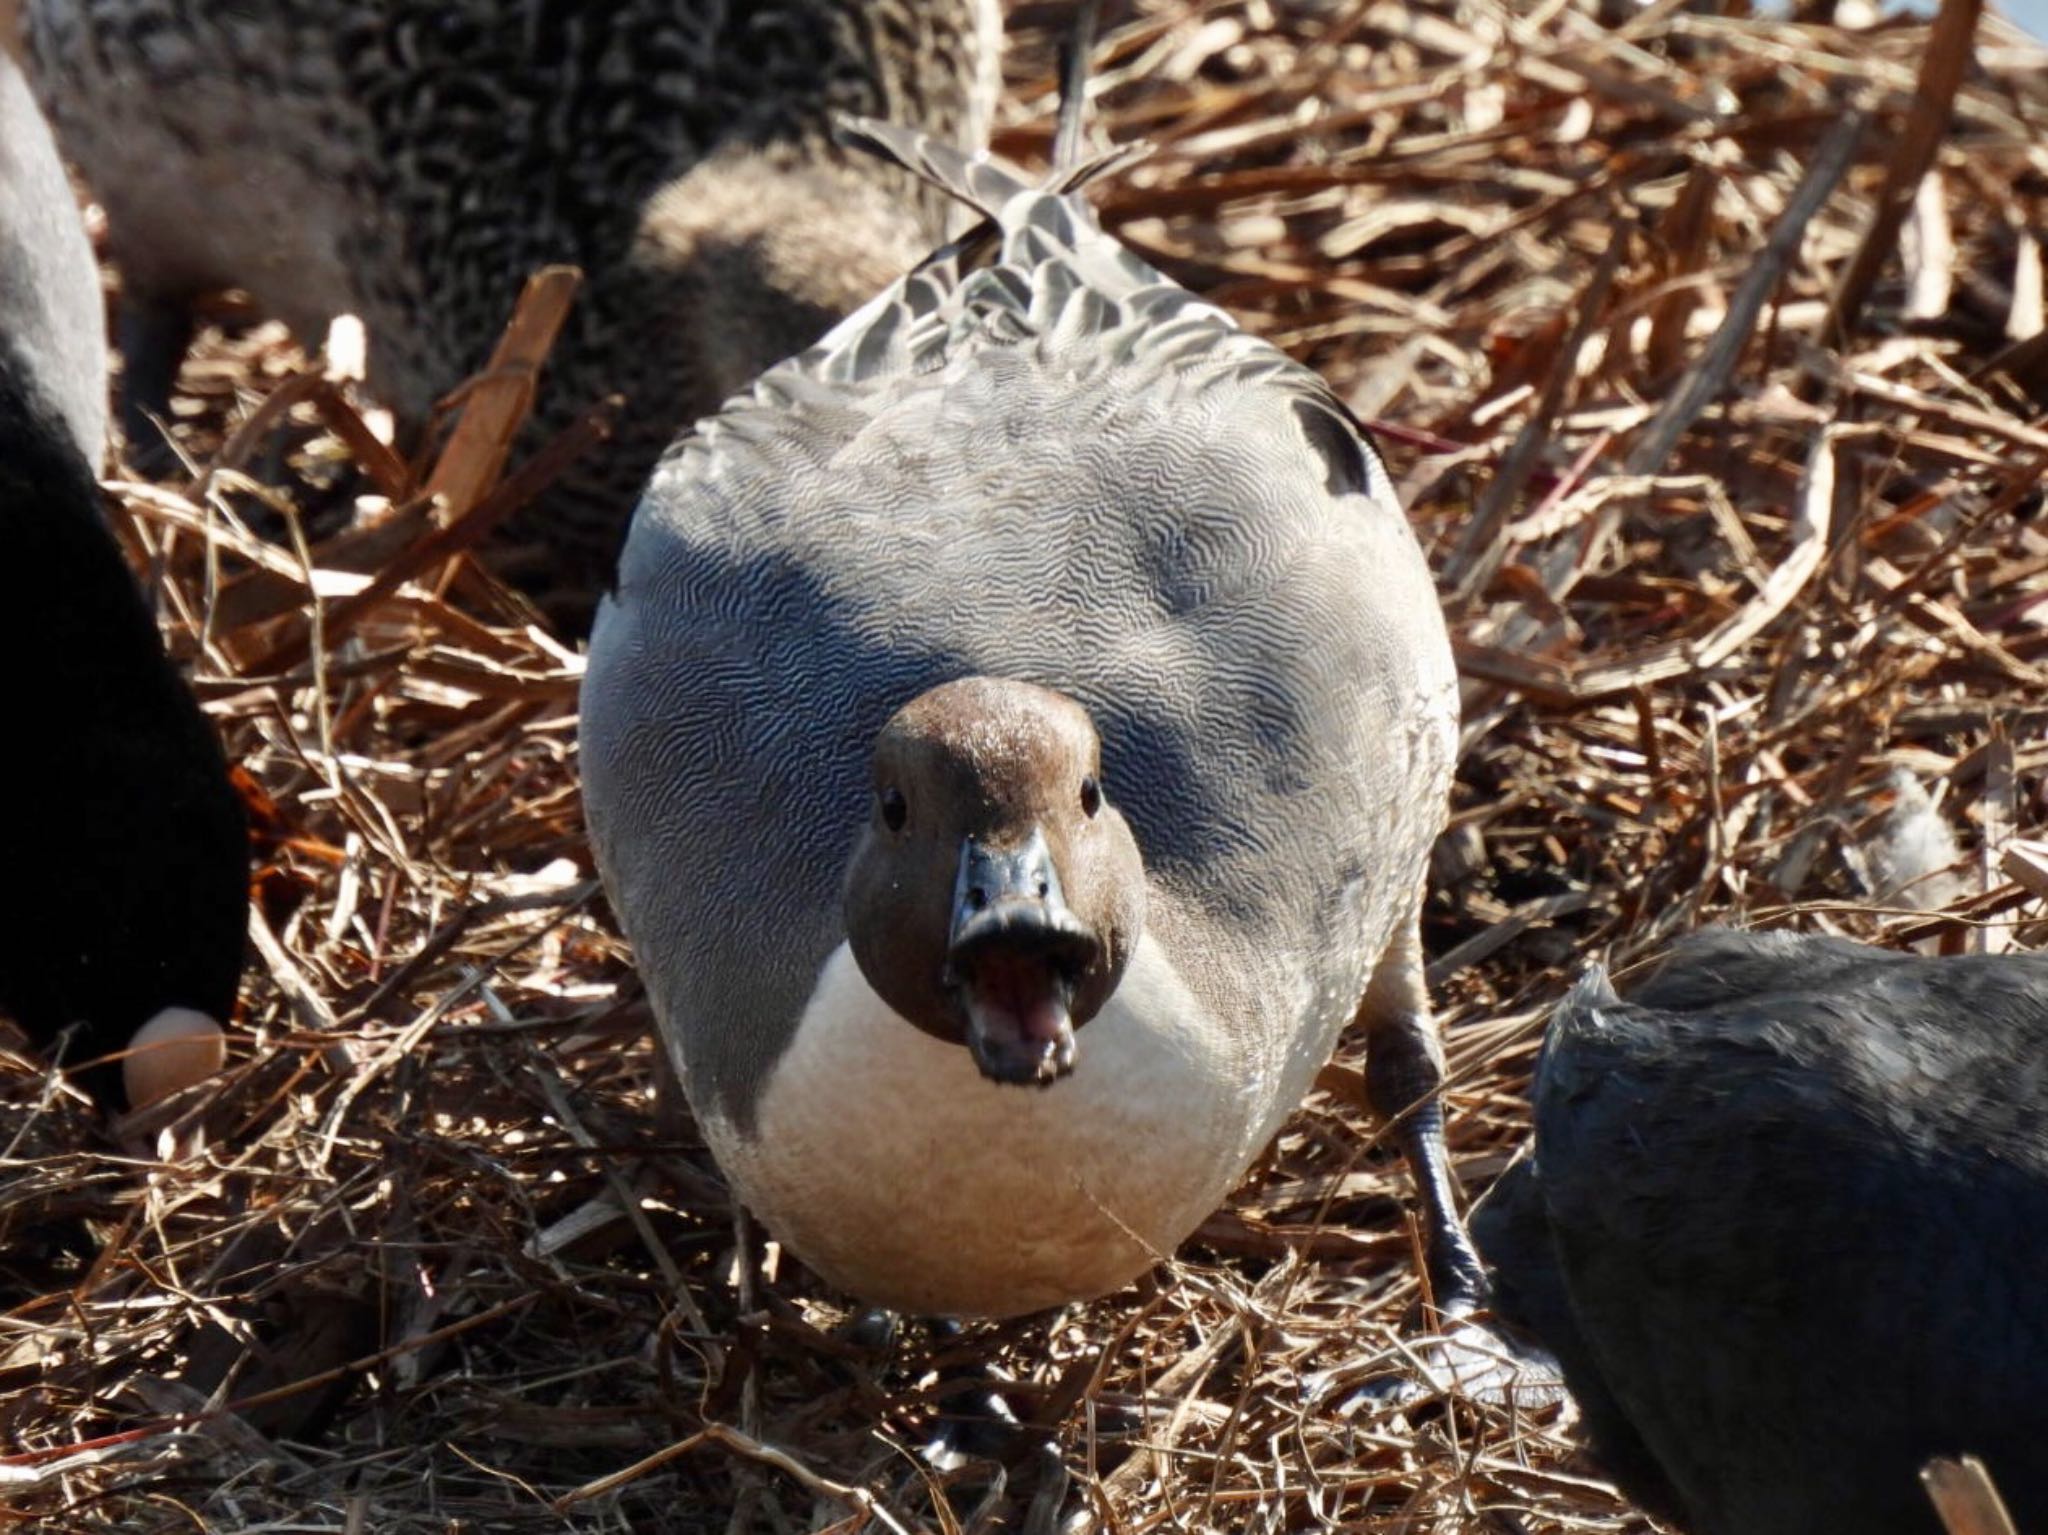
1049,1496
974,1421
1469,1359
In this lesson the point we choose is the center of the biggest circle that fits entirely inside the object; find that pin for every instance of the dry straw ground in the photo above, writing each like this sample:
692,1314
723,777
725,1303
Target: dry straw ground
1724,430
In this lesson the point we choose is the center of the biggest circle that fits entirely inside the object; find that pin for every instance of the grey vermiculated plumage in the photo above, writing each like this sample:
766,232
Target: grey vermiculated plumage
412,161
1056,466
1786,1229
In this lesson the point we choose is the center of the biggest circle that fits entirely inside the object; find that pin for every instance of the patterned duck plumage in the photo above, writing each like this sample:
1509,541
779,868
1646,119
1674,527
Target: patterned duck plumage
412,162
1035,460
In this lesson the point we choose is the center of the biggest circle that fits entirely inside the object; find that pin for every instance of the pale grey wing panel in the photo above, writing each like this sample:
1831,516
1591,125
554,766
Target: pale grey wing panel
725,738
52,314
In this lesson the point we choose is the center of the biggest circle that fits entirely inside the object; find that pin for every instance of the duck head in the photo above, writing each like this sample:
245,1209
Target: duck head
995,896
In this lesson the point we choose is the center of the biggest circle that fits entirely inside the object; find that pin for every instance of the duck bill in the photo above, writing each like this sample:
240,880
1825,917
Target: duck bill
1014,961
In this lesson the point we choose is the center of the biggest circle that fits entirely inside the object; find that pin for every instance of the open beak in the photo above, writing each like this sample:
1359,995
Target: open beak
1014,960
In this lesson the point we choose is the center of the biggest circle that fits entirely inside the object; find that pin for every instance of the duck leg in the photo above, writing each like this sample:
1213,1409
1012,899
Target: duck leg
1404,1072
974,1421
154,331
1404,1069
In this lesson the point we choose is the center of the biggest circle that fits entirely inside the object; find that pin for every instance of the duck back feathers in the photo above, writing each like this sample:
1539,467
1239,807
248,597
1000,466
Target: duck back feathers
1795,1196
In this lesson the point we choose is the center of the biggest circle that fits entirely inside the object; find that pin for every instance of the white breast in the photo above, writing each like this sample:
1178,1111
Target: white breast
888,1163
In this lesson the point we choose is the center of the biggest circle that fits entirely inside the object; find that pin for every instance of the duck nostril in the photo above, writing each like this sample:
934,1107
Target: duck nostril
977,897
1042,887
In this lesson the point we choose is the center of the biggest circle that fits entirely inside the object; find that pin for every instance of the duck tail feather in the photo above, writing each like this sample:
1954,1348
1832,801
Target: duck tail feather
1115,158
1590,990
1076,49
982,181
1072,166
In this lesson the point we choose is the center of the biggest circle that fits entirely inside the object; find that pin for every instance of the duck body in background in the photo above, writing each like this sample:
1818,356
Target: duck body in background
1013,748
413,162
1786,1226
124,843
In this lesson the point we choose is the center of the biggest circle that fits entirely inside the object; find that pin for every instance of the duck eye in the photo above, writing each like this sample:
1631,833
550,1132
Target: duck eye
1091,795
895,809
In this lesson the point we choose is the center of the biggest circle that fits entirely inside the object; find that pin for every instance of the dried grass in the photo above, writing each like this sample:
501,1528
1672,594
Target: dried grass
1757,584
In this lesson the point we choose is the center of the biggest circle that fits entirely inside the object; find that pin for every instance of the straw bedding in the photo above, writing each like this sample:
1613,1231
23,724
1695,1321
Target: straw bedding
1723,424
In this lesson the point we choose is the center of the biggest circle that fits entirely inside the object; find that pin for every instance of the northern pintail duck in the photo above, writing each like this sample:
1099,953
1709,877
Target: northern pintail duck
1013,747
1786,1229
411,163
123,842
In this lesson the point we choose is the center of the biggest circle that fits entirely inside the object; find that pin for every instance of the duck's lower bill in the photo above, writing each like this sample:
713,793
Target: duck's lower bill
1019,1028
891,1165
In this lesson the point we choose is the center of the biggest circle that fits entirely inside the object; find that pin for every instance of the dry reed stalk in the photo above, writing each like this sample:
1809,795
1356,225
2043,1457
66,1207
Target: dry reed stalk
1966,1497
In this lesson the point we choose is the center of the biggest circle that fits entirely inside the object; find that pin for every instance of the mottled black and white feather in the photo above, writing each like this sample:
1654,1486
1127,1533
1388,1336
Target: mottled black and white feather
412,162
